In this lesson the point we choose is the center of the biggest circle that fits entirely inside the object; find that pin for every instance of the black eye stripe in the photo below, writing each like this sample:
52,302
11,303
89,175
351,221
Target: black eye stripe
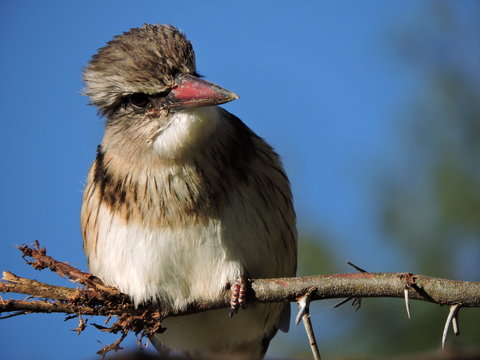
163,93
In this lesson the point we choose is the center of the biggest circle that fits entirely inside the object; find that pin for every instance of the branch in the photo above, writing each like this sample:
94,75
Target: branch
92,297
321,287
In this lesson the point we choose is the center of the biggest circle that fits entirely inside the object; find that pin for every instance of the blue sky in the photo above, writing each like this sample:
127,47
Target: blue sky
321,81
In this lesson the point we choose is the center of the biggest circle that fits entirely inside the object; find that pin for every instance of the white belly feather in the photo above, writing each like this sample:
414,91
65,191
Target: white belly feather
174,266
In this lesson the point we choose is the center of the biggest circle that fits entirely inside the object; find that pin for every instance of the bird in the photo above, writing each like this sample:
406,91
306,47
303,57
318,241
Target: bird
183,199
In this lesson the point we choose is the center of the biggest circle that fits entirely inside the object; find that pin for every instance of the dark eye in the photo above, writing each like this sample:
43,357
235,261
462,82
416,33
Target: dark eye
139,100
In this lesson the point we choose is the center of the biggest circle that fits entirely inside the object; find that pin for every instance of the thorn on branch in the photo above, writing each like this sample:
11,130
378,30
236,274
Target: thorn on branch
303,305
456,329
358,268
410,282
342,302
304,314
451,318
357,302
407,303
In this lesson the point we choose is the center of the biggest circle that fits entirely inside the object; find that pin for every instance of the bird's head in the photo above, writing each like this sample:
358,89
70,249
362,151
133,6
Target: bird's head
140,80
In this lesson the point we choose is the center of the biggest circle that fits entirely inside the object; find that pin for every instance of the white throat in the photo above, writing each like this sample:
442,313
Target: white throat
186,130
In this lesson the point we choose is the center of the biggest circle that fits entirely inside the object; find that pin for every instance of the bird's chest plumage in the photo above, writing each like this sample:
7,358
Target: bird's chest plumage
175,235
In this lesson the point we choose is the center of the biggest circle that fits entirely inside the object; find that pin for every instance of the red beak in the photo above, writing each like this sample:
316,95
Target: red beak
191,91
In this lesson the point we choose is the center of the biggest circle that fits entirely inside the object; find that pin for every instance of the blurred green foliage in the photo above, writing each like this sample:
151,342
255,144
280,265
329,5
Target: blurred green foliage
430,209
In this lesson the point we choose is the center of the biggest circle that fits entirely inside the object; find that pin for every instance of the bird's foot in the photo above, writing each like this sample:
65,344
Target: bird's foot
238,294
